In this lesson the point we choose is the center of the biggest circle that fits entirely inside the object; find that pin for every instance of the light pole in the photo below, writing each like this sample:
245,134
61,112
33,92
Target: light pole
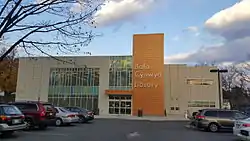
219,71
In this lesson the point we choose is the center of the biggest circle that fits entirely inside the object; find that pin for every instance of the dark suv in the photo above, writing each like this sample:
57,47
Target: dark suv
11,119
215,119
37,113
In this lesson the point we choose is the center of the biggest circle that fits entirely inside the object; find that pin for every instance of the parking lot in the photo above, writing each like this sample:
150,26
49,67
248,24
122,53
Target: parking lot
121,130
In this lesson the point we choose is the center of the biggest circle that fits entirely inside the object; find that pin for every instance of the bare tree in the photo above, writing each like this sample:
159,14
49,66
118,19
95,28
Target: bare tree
47,25
8,73
235,87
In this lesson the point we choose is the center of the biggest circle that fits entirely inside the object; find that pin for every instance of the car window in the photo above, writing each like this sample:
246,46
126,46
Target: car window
83,110
240,115
11,110
225,114
64,110
48,107
75,110
68,108
210,114
26,106
56,110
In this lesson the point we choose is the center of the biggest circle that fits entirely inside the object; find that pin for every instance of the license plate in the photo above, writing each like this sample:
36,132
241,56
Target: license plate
16,121
50,114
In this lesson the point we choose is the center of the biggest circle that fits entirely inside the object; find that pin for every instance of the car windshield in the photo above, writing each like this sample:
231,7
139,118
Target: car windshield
11,110
240,115
83,110
64,110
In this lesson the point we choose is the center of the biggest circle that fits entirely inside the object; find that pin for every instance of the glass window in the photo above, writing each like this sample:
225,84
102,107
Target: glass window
56,110
74,77
11,110
240,115
26,106
48,106
63,110
211,114
120,73
199,81
225,114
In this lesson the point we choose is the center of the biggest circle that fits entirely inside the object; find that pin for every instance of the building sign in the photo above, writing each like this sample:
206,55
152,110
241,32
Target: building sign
148,79
139,72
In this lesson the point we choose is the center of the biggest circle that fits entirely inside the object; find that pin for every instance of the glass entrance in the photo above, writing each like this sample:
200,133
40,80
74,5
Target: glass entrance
120,105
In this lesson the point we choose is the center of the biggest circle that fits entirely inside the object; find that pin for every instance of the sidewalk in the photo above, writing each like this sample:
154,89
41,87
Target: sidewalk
148,118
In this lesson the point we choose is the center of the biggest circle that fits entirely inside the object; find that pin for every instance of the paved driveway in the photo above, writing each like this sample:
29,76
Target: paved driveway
122,130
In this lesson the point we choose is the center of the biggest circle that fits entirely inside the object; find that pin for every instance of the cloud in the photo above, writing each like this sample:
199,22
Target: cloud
115,11
191,29
234,51
232,24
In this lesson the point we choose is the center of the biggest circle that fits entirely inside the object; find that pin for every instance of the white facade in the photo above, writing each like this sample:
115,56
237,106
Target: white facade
34,74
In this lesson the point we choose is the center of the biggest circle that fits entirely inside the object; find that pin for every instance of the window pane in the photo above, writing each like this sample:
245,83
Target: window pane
225,114
211,113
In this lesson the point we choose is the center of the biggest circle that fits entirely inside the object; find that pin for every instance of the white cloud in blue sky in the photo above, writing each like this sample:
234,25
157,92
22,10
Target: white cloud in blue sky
232,24
117,11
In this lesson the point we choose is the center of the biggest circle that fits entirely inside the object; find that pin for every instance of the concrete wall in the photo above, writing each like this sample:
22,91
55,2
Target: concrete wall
33,80
33,76
178,92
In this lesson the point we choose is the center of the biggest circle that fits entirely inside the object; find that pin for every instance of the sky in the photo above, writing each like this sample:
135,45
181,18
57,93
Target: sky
195,30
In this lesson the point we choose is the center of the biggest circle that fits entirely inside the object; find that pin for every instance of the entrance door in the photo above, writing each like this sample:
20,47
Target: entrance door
120,105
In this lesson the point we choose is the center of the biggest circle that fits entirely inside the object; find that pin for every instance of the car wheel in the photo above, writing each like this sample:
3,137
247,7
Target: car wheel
83,120
213,127
59,122
29,124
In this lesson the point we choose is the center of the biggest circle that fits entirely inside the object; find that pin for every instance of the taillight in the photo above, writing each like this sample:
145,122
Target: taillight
200,117
246,125
42,114
90,113
5,118
42,111
22,116
71,116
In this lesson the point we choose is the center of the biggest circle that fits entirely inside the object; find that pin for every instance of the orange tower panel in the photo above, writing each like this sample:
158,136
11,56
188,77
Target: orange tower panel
148,71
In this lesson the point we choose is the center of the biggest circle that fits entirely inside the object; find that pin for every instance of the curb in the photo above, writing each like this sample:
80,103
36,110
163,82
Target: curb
142,119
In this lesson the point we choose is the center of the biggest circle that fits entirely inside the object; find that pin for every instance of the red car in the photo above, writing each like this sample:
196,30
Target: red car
37,114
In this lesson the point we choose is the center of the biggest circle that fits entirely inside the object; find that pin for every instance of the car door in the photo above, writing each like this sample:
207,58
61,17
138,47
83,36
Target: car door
225,119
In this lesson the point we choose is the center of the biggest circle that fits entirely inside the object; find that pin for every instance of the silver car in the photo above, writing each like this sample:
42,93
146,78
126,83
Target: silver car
64,116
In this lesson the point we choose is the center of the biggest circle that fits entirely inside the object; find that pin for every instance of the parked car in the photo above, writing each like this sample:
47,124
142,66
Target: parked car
215,119
11,119
84,114
64,116
37,114
242,129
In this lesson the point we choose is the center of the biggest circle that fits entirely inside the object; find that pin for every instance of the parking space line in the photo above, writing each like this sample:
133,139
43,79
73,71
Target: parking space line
46,134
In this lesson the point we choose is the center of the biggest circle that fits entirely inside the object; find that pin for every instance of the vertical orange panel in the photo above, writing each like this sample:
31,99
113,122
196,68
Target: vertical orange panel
148,79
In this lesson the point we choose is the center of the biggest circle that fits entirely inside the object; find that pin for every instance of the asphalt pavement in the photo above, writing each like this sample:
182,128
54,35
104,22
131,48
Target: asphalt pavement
121,130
